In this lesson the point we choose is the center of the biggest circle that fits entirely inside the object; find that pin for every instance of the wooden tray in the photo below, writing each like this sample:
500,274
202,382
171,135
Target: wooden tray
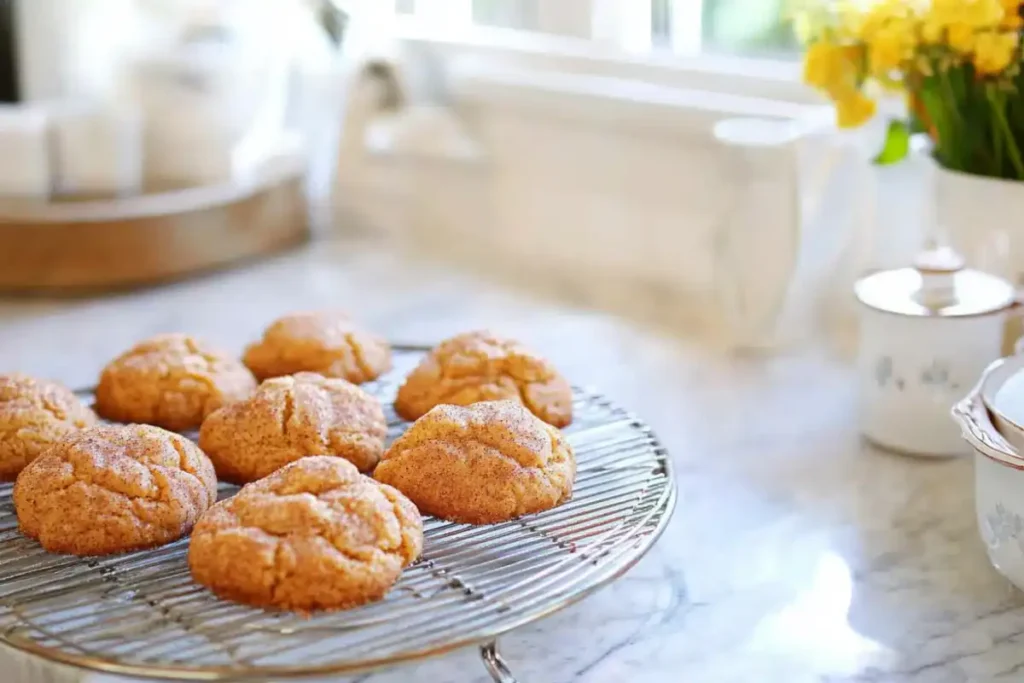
79,245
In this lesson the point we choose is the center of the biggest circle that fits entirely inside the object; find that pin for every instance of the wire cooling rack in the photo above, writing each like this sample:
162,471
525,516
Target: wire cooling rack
141,615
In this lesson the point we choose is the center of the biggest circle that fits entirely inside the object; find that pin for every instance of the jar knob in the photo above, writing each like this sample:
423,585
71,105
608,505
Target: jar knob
938,268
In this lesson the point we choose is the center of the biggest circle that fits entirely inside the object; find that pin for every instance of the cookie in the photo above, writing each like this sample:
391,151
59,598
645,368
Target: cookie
35,414
326,342
113,489
290,418
478,366
314,535
172,381
487,463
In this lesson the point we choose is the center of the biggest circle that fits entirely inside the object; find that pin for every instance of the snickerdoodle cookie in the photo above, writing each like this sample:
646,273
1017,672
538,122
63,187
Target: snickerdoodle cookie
289,418
35,413
171,380
325,342
478,366
112,489
487,463
314,535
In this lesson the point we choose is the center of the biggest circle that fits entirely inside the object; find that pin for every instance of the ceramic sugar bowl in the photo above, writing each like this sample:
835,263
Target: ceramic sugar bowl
990,417
927,332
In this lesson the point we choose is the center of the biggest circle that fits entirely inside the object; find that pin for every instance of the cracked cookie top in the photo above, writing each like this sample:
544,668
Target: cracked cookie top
114,488
325,342
34,414
292,417
313,535
479,366
172,381
487,463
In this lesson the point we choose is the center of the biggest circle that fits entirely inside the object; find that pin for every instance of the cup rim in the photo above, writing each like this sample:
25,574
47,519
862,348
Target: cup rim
974,415
992,381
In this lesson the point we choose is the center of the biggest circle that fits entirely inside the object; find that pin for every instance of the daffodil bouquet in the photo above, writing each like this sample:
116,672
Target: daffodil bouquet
957,63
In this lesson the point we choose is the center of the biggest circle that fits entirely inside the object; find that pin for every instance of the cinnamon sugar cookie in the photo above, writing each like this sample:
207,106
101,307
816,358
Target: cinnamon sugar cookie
112,489
314,535
479,366
171,380
487,463
325,342
292,417
34,414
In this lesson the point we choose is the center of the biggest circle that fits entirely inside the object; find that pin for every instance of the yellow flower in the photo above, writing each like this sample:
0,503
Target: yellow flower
889,31
961,37
957,21
831,67
994,51
865,22
890,46
1011,15
974,13
854,109
849,19
931,31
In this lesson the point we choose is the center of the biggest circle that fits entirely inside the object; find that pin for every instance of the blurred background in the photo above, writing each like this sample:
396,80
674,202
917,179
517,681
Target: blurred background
660,159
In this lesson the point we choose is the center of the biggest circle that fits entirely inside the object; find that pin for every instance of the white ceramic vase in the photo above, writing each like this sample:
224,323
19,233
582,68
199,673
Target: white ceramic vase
980,217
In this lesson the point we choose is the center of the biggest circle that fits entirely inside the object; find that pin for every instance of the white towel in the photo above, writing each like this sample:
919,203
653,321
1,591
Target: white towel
24,150
96,150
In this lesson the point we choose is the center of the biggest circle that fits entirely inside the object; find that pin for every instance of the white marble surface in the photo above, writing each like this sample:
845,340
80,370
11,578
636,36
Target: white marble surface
796,554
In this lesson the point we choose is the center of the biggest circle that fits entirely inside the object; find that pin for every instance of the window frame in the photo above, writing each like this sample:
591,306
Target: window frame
627,24
571,42
751,77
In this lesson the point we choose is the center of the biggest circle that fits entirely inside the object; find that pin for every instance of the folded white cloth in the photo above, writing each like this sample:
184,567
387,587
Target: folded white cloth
96,150
24,148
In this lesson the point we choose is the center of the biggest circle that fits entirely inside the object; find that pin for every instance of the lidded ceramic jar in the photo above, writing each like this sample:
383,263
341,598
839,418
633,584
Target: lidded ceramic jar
927,332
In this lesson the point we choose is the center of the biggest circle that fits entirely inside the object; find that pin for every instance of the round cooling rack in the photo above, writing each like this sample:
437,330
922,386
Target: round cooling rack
141,615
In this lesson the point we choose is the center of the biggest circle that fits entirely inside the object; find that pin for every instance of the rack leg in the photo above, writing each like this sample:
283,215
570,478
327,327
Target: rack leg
496,666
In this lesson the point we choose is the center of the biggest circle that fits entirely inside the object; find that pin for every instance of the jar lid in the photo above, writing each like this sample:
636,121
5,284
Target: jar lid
937,285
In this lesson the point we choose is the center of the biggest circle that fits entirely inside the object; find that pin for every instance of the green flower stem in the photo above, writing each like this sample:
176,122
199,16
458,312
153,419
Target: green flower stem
950,96
998,101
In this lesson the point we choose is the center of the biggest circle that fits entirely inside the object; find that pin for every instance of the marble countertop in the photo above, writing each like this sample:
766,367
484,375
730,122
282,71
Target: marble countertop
796,554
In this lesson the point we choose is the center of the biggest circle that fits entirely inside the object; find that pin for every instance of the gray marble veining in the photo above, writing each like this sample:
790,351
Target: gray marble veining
796,555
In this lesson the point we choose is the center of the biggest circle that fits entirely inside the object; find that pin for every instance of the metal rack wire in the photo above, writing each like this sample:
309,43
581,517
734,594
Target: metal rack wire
141,615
